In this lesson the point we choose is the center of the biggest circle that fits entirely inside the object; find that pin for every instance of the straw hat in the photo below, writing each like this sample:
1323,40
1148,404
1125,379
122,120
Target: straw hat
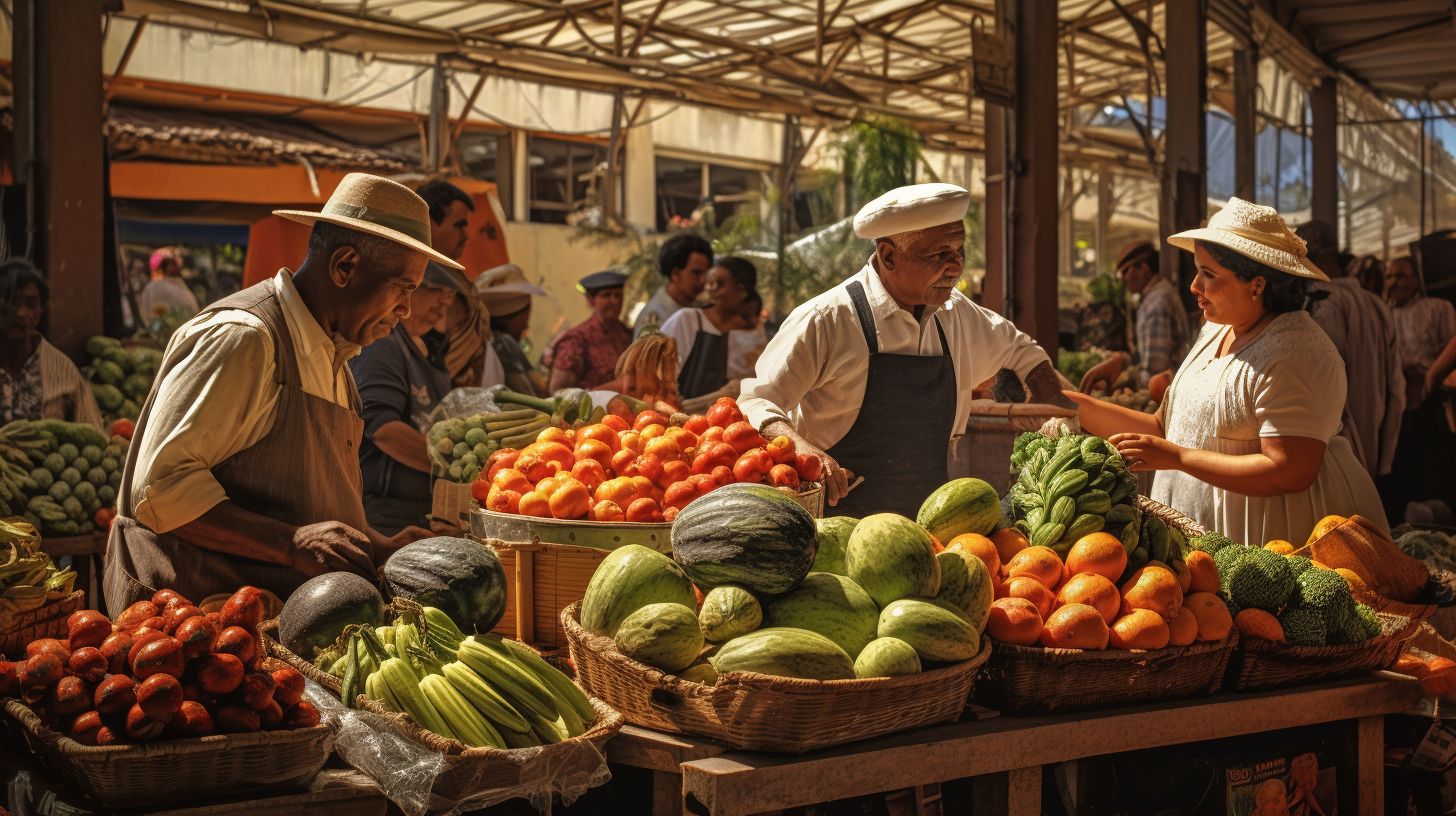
380,207
1256,232
504,289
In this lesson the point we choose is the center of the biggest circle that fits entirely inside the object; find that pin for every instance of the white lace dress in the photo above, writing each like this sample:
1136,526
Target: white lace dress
1290,381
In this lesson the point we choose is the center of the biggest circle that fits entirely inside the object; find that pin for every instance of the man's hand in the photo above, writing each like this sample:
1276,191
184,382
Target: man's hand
1101,376
384,546
332,546
836,479
1147,452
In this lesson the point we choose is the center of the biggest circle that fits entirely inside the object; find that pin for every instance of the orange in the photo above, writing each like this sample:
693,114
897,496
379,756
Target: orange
1183,629
1257,623
1154,588
1009,542
1185,578
1097,554
1323,526
1075,626
1093,590
1280,546
1214,620
979,546
1024,586
1351,577
1014,620
1041,563
1203,571
1139,629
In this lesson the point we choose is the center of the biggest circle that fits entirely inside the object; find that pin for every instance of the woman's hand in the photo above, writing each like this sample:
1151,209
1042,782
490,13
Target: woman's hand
1147,452
1101,376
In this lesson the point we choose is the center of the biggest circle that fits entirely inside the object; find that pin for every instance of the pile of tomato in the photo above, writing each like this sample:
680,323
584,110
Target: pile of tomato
643,471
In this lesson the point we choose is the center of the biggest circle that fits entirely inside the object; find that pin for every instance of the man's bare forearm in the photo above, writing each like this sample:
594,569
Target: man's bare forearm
1045,387
228,528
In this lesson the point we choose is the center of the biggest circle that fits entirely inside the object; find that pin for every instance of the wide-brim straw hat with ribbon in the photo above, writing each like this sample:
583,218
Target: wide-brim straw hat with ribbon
1257,233
380,207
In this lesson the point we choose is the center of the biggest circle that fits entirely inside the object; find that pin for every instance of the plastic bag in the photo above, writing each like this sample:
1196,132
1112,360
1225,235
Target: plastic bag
407,772
464,402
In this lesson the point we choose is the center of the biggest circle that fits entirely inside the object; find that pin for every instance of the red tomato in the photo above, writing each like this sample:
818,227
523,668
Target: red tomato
724,413
616,423
752,466
479,490
512,479
781,448
670,514
620,490
703,463
590,473
649,465
678,494
551,451
713,434
663,447
723,474
673,471
503,501
123,428
622,462
644,510
535,504
810,467
571,501
743,437
608,511
783,476
601,432
500,460
697,423
104,516
705,481
650,417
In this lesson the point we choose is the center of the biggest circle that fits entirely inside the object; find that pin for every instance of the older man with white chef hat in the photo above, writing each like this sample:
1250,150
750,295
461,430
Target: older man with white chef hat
875,376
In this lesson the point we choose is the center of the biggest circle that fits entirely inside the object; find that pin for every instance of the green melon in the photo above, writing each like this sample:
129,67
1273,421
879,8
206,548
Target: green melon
729,611
886,657
832,605
965,582
783,652
892,557
938,632
627,580
833,537
700,673
958,507
663,635
747,535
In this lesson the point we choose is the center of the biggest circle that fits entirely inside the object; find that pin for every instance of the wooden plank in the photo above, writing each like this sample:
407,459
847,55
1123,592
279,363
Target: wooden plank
658,751
1370,765
742,783
667,795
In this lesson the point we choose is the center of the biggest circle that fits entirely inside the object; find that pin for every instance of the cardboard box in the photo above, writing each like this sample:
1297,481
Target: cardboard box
1297,785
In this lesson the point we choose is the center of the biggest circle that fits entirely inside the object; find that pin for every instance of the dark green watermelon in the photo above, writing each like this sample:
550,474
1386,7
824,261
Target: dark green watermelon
463,578
317,612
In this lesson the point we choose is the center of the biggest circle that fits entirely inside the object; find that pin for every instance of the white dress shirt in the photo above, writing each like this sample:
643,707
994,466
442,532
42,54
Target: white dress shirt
813,372
221,399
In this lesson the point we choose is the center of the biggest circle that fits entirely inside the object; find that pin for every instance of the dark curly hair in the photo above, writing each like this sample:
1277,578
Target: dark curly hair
677,250
1282,292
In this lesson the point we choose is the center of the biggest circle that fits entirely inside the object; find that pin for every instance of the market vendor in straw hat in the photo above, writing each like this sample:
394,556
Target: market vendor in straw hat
875,376
1247,440
244,468
507,296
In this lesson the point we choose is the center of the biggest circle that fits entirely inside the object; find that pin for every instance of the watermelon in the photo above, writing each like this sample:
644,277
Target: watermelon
461,577
958,507
886,657
937,631
892,557
700,673
318,611
832,537
966,583
747,535
662,635
785,653
728,612
627,580
832,605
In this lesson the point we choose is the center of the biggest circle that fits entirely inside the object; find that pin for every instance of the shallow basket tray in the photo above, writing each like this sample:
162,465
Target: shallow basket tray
167,771
762,713
1263,664
19,628
468,771
1026,679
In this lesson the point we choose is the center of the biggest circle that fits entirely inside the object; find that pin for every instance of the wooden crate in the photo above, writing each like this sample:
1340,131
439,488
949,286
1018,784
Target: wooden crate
984,452
543,579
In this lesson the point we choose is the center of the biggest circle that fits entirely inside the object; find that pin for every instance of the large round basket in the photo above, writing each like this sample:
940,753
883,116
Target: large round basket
469,773
167,771
762,713
19,628
1264,664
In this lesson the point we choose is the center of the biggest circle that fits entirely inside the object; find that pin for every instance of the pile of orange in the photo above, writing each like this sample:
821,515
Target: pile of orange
645,470
1090,601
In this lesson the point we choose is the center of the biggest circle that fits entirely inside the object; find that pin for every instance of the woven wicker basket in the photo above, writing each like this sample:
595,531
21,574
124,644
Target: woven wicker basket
1262,664
19,629
468,770
153,773
762,713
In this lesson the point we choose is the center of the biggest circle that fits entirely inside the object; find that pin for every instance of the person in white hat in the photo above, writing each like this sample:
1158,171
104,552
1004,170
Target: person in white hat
1247,441
507,296
875,377
244,466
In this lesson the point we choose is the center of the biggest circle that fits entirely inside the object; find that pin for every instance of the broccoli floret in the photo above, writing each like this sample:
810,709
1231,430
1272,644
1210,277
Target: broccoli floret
1303,627
1261,580
1226,559
1210,542
1369,621
1323,589
1298,564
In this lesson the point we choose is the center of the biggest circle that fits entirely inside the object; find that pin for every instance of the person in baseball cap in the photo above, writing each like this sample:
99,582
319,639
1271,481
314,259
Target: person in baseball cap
586,355
1161,329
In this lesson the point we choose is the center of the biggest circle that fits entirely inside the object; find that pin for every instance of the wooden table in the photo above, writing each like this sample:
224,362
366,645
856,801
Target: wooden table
1006,753
85,552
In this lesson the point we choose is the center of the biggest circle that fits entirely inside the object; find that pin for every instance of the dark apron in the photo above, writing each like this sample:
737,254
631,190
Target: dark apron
303,471
706,369
901,438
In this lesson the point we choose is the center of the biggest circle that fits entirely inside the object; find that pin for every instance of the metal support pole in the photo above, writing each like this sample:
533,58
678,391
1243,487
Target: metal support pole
1246,84
1323,104
1185,196
437,128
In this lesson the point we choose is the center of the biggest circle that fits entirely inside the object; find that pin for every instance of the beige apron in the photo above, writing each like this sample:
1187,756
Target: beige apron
304,471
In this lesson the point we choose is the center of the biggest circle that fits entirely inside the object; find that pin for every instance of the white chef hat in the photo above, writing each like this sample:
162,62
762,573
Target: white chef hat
916,207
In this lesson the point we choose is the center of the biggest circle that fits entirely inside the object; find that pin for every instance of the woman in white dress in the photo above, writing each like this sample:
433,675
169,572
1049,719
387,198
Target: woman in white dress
1247,440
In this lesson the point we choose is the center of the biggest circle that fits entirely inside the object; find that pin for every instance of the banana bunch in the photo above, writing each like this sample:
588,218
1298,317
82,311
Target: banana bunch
1072,486
28,577
481,690
19,441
